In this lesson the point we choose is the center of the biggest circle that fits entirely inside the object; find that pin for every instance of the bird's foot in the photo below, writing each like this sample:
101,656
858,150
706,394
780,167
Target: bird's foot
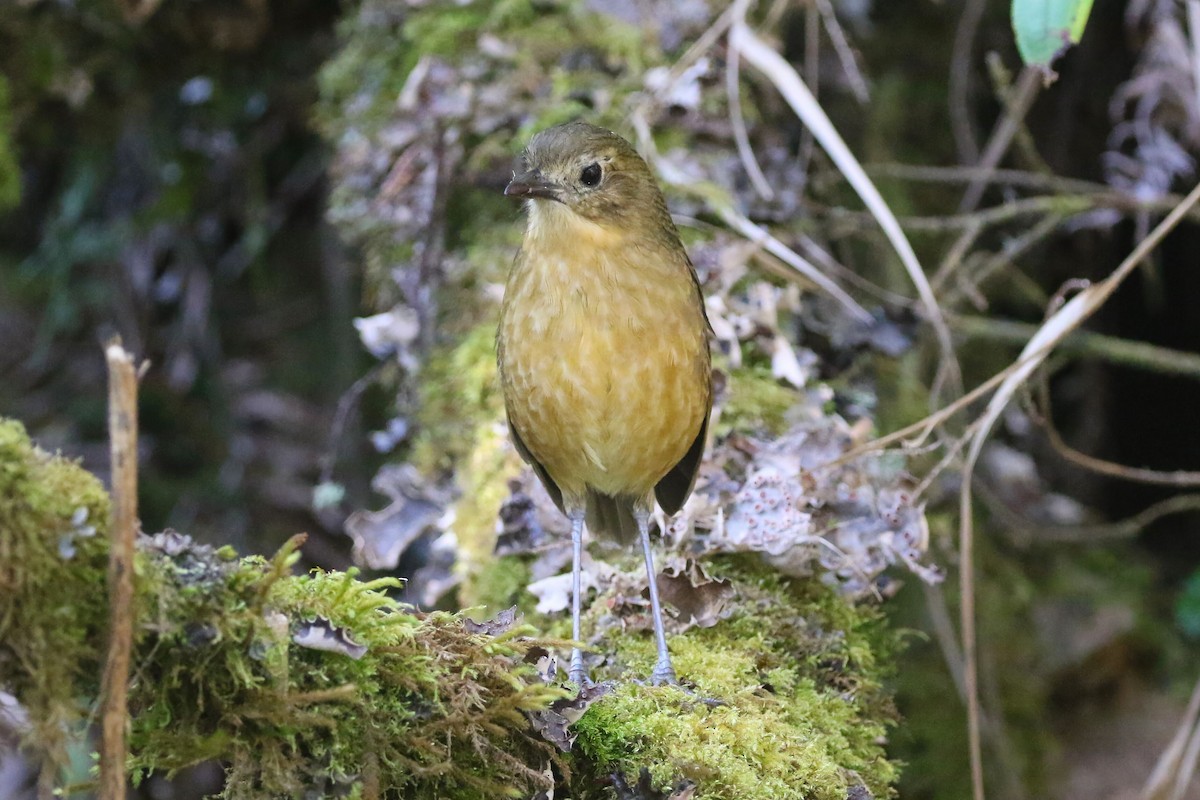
663,674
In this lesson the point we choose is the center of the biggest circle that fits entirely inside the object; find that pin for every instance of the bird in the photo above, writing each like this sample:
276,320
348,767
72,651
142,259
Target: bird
603,349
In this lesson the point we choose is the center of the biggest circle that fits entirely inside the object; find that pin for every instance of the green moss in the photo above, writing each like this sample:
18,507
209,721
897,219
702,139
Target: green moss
483,478
53,557
757,402
459,393
429,709
785,701
787,697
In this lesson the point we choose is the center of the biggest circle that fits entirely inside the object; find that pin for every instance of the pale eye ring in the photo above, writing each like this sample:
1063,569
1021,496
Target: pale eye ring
590,176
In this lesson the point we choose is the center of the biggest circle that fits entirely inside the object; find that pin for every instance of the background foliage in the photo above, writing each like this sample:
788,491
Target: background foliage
228,184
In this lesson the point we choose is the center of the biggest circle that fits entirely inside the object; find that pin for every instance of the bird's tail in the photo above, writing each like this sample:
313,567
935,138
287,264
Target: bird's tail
611,517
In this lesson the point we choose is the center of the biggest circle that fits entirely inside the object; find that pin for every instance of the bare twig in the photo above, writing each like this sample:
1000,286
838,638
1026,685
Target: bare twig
760,236
1012,249
1015,110
819,256
738,122
1193,15
690,56
763,237
1184,479
812,72
1112,349
1053,331
122,431
1063,204
1010,177
1167,778
959,88
791,86
844,52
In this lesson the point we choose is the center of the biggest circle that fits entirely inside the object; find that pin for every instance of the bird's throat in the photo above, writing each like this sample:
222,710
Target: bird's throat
553,226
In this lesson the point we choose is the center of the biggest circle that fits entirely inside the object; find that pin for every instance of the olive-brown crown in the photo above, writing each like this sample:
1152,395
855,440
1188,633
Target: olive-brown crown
598,175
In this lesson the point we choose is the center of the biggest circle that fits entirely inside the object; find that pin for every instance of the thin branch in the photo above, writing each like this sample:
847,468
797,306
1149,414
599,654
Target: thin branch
959,89
1053,331
789,84
1015,110
1167,767
812,72
1066,205
743,225
1010,177
1193,15
1012,249
845,54
1112,349
738,123
787,255
122,431
1183,479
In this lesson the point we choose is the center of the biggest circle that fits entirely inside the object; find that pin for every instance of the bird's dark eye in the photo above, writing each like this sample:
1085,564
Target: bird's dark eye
590,175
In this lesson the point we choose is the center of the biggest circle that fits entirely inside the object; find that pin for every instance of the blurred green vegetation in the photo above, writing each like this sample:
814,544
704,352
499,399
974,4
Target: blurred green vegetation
171,189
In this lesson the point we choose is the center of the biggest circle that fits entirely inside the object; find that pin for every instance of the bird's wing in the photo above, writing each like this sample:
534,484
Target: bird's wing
551,487
691,268
673,490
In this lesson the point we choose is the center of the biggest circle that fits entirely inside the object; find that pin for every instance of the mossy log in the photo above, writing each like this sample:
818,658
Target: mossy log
322,682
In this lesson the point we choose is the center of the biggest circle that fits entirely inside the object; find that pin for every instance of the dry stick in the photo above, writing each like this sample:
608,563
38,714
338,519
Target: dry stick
738,122
1112,349
812,71
1052,332
1169,761
1024,179
955,255
1011,250
1193,15
1187,767
1034,531
959,88
797,95
844,52
1070,195
1181,478
1027,89
122,432
742,224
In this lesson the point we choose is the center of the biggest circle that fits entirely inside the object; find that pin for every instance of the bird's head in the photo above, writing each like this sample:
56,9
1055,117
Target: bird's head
580,173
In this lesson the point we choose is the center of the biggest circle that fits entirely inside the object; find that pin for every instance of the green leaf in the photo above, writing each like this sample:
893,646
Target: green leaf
1046,28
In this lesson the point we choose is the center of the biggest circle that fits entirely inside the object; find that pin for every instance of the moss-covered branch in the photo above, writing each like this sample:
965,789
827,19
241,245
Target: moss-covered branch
321,680
294,681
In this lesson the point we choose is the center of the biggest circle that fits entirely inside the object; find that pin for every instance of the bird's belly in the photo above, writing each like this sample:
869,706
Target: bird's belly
605,398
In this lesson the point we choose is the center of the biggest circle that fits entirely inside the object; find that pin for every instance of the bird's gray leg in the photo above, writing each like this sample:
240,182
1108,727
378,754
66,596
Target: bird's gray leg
663,671
578,674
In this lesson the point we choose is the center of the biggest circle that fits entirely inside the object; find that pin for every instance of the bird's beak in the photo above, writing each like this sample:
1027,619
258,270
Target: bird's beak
531,184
